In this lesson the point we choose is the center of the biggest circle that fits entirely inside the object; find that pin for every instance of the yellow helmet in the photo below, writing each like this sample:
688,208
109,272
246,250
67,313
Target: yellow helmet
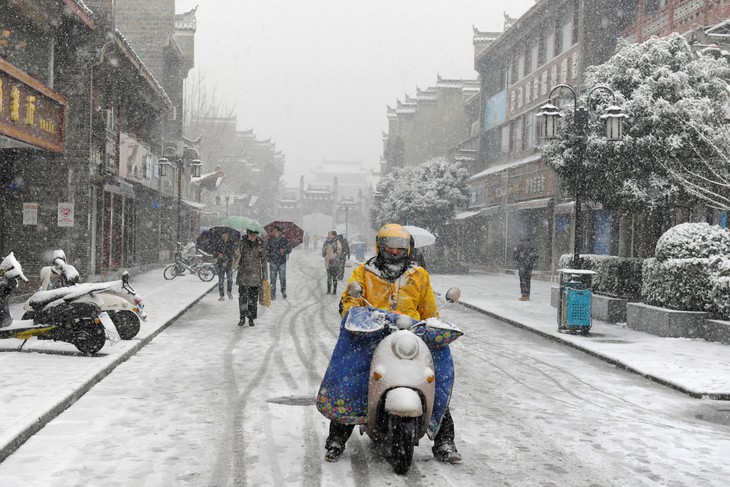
393,236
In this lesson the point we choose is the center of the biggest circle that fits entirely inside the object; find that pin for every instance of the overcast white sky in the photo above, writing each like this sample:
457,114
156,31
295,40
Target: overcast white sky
316,76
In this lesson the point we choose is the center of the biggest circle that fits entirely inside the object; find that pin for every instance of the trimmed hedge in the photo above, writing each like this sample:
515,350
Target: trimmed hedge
693,240
619,277
682,284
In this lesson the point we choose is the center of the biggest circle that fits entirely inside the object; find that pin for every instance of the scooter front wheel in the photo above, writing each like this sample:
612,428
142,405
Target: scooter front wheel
127,324
170,272
403,436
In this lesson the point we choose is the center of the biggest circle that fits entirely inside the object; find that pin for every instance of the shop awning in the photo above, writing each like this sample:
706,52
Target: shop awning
530,204
194,204
465,214
570,206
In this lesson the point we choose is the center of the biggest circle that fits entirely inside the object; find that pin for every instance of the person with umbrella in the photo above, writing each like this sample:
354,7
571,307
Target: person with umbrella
278,248
252,270
224,259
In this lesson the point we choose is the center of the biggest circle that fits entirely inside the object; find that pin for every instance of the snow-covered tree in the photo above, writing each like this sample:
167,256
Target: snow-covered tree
426,195
675,137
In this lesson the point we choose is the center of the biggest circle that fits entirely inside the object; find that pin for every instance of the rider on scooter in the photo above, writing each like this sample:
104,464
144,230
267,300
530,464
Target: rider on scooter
392,282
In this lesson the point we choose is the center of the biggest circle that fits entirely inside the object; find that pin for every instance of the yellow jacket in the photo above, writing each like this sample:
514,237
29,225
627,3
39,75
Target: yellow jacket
411,294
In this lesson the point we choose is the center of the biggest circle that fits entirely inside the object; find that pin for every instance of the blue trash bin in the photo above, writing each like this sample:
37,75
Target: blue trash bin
574,305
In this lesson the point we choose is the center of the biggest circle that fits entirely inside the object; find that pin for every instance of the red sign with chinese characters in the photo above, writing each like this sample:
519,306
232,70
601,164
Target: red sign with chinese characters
30,111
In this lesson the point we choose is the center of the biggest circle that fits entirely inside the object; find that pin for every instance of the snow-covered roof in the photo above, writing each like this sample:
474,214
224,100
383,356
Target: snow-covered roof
125,46
82,12
505,166
194,204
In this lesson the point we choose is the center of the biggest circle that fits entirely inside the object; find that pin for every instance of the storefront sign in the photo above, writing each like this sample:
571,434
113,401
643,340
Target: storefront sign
30,111
65,214
30,213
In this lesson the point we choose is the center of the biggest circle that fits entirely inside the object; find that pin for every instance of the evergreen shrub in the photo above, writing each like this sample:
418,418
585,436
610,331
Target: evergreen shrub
618,277
693,240
681,284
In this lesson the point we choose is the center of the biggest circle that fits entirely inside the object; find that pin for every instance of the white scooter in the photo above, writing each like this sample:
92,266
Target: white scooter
65,314
402,382
119,299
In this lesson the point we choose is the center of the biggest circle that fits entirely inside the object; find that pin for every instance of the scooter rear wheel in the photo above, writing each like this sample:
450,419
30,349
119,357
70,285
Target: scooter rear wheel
127,323
403,434
170,272
90,338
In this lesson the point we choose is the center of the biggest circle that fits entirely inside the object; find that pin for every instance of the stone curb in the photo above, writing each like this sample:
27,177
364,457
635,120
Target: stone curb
27,431
593,353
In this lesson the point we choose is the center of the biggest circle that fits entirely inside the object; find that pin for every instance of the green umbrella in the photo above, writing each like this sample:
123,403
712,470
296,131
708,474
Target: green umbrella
243,223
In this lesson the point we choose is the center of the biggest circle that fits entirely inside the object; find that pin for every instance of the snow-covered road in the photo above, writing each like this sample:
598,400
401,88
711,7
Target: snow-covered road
208,403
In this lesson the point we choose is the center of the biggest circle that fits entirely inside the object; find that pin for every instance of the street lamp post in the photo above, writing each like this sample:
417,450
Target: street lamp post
346,205
179,165
613,119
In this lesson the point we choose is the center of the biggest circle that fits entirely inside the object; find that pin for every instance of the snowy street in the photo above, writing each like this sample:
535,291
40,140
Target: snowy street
208,403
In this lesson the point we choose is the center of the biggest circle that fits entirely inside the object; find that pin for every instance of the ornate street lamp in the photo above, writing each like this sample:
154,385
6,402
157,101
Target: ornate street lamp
613,119
195,166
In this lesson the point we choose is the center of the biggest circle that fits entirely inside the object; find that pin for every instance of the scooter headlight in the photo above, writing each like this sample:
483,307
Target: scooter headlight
406,346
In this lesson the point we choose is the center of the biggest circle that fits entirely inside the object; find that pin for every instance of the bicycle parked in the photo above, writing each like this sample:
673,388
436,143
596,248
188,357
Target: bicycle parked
189,258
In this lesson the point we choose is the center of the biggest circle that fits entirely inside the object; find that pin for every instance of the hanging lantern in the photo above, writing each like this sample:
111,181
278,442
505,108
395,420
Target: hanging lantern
195,166
614,120
162,164
550,115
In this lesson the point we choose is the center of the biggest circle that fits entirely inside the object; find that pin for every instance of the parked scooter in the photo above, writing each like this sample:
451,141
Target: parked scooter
66,314
120,300
409,382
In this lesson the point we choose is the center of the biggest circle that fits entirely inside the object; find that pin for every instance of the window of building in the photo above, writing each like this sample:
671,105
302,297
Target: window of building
517,136
504,142
549,46
566,36
530,136
520,67
534,57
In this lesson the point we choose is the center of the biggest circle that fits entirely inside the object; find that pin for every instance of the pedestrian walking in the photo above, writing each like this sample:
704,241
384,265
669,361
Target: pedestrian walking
343,256
315,241
278,248
305,239
331,251
224,250
526,256
252,269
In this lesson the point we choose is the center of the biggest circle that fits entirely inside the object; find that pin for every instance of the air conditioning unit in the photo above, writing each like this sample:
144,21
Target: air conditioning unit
108,117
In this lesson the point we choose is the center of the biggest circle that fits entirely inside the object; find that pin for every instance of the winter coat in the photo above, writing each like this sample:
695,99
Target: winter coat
411,294
525,255
227,249
274,245
345,254
331,251
252,264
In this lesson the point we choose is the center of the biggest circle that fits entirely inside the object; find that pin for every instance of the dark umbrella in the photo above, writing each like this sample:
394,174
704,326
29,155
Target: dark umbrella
290,230
209,239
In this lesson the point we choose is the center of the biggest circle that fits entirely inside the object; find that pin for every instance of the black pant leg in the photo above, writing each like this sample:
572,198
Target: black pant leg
338,433
446,431
253,301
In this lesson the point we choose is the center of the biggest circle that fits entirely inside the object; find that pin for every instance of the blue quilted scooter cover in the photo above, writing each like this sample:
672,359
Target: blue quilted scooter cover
343,394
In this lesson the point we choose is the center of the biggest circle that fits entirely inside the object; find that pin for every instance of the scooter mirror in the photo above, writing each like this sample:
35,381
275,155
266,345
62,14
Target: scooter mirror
125,277
354,289
453,294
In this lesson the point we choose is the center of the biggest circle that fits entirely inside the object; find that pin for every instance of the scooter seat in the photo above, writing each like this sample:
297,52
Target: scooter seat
42,298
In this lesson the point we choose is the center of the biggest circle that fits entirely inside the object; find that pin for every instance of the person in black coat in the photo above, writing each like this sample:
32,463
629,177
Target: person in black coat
343,256
526,256
223,251
278,248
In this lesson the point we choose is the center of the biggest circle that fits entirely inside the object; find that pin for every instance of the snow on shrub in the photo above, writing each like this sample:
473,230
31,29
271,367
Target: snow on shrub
688,240
615,276
682,284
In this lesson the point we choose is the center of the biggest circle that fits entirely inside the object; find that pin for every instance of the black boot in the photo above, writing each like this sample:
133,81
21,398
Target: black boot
250,322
